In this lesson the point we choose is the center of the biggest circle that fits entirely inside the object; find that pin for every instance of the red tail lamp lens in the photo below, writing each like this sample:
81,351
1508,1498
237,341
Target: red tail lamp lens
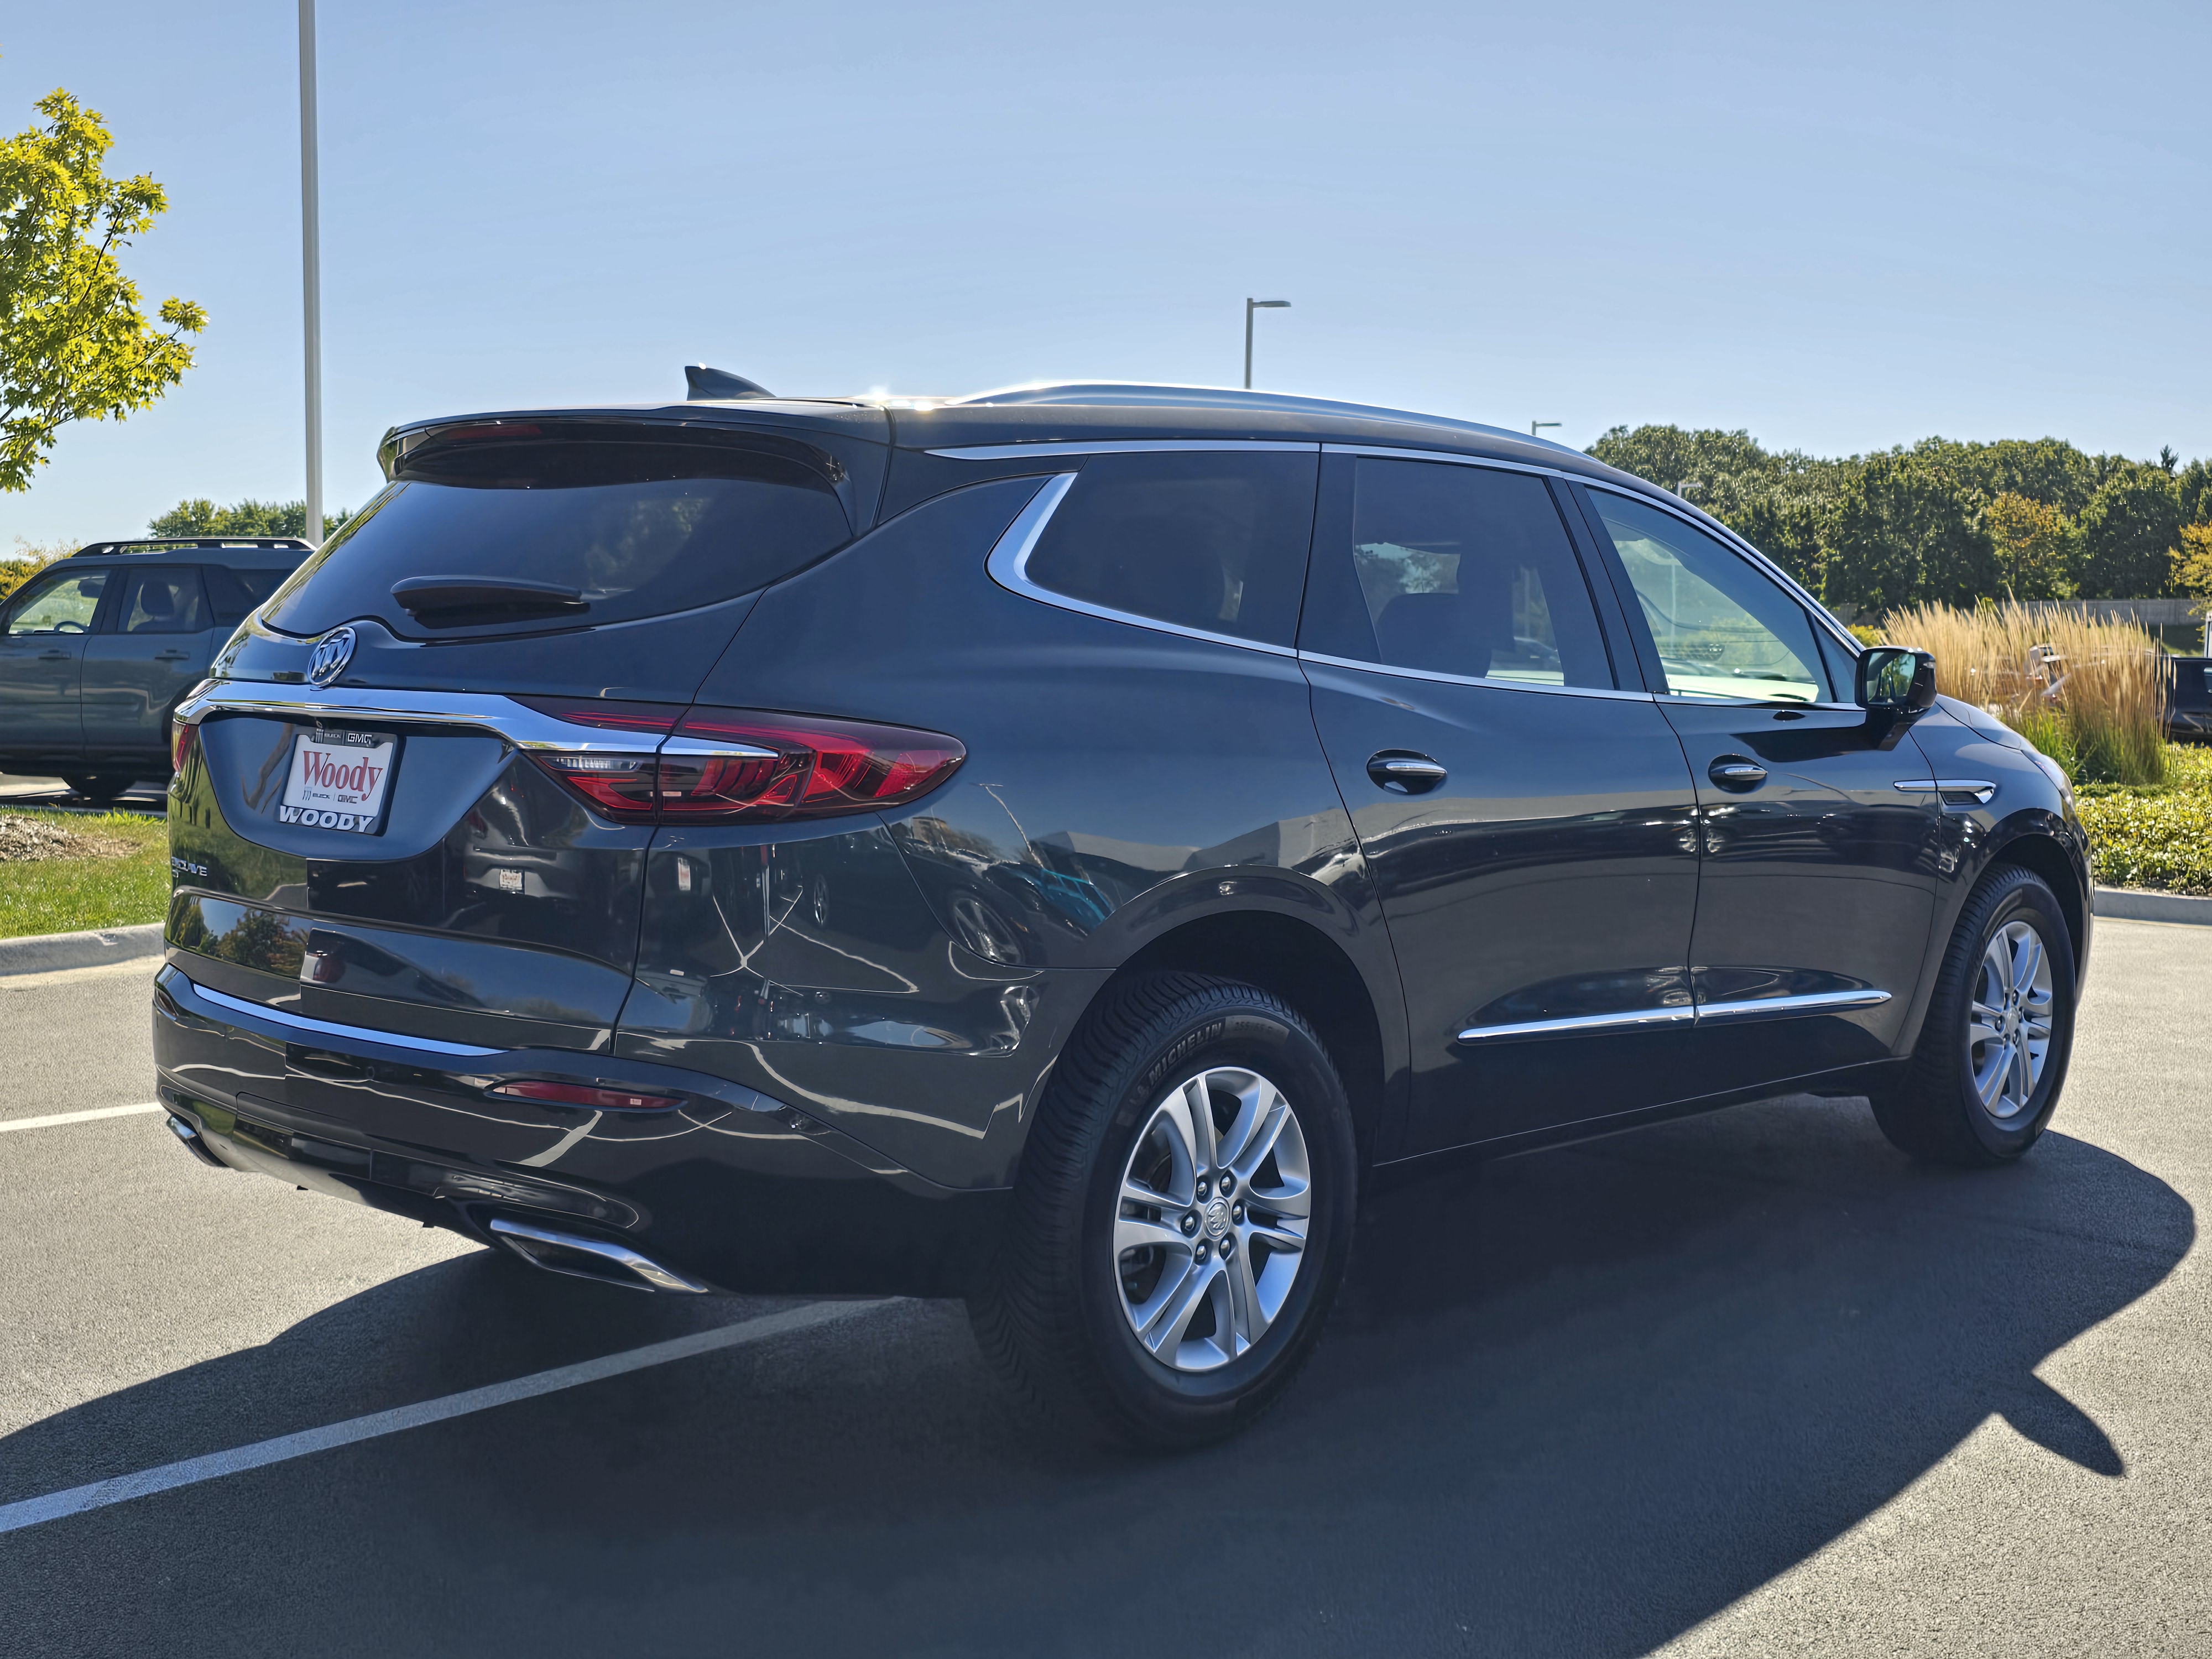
182,736
617,780
801,766
579,1094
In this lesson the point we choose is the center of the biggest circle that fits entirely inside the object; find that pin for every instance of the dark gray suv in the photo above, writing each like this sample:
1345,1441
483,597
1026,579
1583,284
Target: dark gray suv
96,653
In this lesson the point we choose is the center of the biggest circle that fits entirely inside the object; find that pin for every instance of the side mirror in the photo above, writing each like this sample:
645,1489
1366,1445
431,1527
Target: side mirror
1896,680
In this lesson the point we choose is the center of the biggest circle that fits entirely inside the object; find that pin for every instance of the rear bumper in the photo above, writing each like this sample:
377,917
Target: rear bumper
731,1187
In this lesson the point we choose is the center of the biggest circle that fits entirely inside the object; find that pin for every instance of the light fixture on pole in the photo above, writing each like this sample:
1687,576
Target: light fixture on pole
311,270
1251,305
1533,425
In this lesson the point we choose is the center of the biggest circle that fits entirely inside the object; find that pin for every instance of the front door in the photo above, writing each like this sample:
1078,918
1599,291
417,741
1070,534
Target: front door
142,664
1526,820
1820,872
41,657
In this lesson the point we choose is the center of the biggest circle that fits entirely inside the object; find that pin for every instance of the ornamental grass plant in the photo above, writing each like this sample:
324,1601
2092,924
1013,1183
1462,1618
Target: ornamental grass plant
2090,694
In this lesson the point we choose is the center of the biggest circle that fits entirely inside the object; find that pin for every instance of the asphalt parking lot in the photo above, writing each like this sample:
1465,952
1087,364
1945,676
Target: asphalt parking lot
1746,1384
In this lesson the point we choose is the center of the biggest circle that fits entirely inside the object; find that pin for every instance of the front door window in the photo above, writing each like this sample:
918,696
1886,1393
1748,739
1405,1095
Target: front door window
65,605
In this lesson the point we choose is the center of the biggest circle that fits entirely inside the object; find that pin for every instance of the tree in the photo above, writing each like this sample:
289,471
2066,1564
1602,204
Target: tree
2035,545
74,344
246,518
2192,562
2130,531
1902,531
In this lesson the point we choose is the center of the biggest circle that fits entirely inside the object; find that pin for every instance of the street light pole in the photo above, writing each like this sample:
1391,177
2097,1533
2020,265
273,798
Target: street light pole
311,269
1533,425
1250,306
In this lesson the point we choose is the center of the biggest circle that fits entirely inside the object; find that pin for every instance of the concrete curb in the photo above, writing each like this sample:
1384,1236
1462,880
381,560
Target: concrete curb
2135,904
44,952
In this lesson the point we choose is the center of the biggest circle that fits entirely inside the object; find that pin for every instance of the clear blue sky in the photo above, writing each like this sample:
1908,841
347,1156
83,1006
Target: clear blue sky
1842,227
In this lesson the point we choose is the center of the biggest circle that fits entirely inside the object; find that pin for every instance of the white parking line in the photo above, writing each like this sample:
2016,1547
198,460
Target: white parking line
8,1124
122,1488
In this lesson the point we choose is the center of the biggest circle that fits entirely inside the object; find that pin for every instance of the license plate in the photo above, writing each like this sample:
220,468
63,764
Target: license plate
339,780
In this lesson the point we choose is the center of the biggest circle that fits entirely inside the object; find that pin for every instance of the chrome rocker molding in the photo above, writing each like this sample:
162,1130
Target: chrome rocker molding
1981,791
1817,1002
610,1264
330,1027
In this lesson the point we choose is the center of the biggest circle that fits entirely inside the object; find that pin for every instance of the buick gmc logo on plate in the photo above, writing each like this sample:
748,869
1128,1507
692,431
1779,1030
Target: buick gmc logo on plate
338,780
332,652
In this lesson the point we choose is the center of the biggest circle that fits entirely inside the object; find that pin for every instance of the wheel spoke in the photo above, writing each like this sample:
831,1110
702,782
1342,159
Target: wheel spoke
1262,1142
1294,1199
1247,1318
1275,1239
1134,1233
1198,1104
1984,1030
2023,1073
1990,1086
2027,962
1162,1332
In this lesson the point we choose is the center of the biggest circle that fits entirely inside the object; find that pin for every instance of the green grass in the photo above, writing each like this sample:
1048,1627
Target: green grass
68,896
2158,836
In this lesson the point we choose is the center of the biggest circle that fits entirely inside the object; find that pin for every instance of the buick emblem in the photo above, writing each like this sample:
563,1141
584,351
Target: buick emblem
332,652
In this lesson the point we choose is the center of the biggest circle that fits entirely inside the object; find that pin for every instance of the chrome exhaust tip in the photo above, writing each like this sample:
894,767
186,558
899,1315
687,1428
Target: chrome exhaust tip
193,1144
591,1258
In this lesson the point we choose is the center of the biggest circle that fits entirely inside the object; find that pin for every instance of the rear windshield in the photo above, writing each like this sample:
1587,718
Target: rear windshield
632,529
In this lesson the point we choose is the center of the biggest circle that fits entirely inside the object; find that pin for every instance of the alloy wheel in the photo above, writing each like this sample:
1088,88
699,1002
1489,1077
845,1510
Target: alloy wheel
2009,1026
1210,1230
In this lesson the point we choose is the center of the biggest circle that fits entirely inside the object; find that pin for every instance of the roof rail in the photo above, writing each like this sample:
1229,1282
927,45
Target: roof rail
155,544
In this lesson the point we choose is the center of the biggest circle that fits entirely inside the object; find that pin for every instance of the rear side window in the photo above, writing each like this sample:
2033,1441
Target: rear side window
629,529
1461,570
166,600
1211,541
235,592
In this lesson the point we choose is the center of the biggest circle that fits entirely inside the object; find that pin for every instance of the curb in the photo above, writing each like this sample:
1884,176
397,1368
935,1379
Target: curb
44,952
2134,904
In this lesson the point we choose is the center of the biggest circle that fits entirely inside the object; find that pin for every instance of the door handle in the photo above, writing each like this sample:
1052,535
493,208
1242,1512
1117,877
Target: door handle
55,656
173,656
1734,772
1403,773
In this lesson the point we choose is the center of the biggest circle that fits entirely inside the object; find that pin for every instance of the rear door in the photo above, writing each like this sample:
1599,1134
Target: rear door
41,662
1819,871
1526,816
153,648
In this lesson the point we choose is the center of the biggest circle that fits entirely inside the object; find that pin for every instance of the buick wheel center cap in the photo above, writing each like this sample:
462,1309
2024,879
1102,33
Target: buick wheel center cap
1217,1218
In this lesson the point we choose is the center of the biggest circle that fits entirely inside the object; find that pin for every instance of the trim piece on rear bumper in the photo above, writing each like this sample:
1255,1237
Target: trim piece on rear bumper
330,1027
520,1236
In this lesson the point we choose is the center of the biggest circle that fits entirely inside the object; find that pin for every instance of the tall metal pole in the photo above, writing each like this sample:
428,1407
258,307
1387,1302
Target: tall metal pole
311,269
1251,305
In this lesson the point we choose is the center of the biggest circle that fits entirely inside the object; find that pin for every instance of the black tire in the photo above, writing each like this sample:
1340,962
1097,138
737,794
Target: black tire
100,789
1935,1114
1054,1319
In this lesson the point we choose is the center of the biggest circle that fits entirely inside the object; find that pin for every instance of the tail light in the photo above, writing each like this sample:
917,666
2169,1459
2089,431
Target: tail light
739,765
183,734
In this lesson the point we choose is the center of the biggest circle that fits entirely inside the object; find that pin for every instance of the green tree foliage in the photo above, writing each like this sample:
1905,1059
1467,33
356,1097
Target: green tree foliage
2192,562
27,560
2130,531
74,344
1943,520
202,517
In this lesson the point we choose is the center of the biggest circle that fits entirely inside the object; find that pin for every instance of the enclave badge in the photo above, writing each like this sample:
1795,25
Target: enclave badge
332,652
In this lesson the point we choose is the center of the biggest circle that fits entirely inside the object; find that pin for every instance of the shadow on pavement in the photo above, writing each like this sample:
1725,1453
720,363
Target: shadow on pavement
1571,1405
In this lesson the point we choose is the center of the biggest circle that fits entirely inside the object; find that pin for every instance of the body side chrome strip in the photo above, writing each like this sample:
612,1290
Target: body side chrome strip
1391,453
1980,788
1008,565
1812,1003
1654,1019
330,1027
1631,1020
1328,662
1123,447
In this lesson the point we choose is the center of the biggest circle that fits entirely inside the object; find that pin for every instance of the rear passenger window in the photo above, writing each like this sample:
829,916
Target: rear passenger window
235,592
165,601
1467,570
1214,541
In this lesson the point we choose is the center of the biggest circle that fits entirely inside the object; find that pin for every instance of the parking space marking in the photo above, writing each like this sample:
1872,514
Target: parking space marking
9,1124
192,1471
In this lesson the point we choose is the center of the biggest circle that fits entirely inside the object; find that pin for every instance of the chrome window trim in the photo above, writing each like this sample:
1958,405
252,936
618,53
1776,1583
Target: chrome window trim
1008,566
1493,683
331,1028
1123,447
1651,1019
1811,1002
1391,453
523,727
1729,538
